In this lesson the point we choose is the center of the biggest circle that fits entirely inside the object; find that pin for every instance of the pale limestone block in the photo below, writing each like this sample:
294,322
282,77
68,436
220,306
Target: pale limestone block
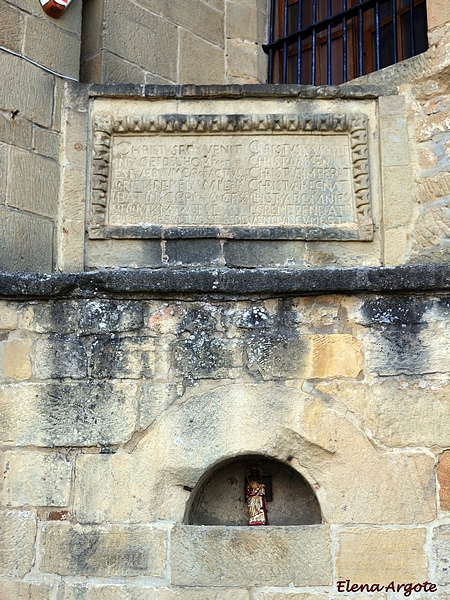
242,62
123,253
396,245
25,590
441,554
4,167
398,205
382,555
335,355
9,316
141,37
61,53
27,242
133,592
241,21
194,51
438,13
71,246
392,105
398,412
443,474
117,70
434,124
32,85
228,556
70,20
17,537
64,414
394,141
34,182
16,363
217,4
16,132
118,550
36,479
154,398
200,19
46,142
75,138
12,22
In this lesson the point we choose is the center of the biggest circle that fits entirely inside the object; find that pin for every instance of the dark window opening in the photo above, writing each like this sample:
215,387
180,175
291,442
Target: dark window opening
328,42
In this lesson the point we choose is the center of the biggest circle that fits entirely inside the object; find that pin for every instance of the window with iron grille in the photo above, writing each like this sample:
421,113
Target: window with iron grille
328,42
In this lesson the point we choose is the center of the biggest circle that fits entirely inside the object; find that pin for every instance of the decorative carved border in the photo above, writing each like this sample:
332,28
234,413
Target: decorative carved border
105,126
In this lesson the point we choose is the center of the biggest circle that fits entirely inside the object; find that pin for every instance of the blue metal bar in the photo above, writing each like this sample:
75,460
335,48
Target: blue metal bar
271,39
344,44
329,43
285,45
299,41
411,25
394,27
360,41
377,35
314,34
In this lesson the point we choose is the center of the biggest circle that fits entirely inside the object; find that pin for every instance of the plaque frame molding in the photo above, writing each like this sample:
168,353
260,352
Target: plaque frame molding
105,126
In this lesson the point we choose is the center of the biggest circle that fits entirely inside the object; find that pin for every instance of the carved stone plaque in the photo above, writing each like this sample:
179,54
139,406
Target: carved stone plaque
235,176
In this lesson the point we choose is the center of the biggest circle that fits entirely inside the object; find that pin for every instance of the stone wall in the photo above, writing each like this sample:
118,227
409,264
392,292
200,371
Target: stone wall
116,404
202,42
30,128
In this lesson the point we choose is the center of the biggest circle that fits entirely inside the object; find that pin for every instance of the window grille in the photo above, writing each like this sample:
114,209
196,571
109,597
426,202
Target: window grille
328,42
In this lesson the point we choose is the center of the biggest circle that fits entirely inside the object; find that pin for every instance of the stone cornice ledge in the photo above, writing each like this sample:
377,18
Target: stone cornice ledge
226,283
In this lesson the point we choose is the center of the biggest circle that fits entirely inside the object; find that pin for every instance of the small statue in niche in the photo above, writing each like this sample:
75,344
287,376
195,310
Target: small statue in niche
255,496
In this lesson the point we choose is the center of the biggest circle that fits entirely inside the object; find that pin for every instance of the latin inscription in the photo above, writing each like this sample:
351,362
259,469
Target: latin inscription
231,180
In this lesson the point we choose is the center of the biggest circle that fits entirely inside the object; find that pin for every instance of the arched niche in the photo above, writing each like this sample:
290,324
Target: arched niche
219,496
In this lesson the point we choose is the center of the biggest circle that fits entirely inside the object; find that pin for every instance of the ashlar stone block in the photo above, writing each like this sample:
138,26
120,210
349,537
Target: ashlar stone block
134,592
382,555
441,554
64,414
443,473
16,359
241,557
25,590
17,536
36,479
119,550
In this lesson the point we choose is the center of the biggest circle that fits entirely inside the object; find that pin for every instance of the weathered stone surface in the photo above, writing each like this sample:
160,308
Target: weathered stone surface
60,54
254,253
202,355
33,86
124,253
335,355
15,359
103,316
280,355
9,316
441,553
64,414
202,20
86,591
17,538
16,132
27,242
119,550
443,474
46,142
36,479
226,556
12,27
122,357
191,252
153,399
141,38
195,51
291,596
25,590
57,356
34,183
400,411
243,62
382,555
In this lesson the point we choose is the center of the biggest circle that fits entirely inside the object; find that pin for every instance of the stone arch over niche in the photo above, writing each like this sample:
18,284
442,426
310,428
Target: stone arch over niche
354,480
219,496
